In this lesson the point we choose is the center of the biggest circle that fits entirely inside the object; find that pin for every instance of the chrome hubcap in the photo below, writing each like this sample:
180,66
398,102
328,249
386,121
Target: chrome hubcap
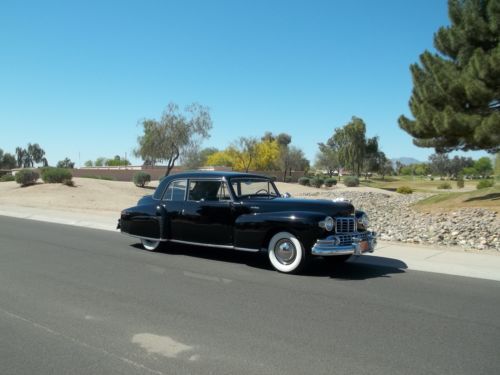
149,244
285,251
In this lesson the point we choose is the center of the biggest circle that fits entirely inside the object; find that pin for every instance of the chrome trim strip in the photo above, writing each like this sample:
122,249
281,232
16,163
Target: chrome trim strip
201,244
228,247
146,238
245,249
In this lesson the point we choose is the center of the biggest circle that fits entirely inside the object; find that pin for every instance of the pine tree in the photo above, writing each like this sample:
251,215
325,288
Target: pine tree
456,94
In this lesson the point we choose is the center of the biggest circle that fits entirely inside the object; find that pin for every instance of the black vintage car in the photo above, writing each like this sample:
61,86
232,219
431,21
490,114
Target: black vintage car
241,211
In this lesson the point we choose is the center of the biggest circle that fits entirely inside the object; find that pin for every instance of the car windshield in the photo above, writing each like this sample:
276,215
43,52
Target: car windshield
251,187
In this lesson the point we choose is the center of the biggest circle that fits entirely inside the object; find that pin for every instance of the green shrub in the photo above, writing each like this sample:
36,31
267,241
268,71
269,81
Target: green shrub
26,177
288,179
404,190
7,178
329,182
317,182
69,183
304,181
460,182
351,181
484,184
56,175
444,185
273,178
141,179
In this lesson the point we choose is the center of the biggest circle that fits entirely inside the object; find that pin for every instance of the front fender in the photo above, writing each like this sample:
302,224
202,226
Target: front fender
254,230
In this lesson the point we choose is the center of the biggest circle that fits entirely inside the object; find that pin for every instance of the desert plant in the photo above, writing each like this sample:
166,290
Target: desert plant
317,182
351,181
26,177
460,182
404,190
484,184
7,178
141,179
444,185
329,182
55,175
305,181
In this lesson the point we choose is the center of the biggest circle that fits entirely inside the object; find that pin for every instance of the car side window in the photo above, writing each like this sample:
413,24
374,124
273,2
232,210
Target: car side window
224,192
176,191
207,190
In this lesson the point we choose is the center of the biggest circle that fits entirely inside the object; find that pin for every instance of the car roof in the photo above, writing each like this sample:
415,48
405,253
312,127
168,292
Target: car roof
214,174
201,174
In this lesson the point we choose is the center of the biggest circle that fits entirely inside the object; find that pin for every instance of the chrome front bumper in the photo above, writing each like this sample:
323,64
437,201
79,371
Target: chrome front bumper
358,243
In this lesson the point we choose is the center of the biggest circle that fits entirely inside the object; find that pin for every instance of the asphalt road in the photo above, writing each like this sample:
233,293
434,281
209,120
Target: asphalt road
83,301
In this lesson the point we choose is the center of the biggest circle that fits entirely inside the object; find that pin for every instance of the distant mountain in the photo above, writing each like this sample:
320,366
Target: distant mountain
405,161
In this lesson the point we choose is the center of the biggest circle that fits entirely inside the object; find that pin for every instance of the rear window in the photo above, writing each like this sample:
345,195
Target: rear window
208,190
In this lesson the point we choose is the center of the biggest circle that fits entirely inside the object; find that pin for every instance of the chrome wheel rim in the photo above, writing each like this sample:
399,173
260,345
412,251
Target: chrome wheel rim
285,251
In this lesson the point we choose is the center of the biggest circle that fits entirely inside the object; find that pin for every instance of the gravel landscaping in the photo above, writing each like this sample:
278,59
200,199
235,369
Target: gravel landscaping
393,218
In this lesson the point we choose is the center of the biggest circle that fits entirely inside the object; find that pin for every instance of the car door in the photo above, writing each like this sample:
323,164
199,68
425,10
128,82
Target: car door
173,201
207,216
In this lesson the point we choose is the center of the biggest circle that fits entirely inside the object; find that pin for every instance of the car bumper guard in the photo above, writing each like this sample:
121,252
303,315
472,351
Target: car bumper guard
360,243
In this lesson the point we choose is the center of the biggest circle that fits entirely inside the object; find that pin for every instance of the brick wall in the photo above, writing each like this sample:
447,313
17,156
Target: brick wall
127,174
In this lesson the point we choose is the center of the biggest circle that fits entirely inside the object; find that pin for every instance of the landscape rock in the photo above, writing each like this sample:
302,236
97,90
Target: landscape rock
393,217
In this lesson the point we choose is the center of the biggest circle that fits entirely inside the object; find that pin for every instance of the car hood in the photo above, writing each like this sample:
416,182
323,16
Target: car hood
325,206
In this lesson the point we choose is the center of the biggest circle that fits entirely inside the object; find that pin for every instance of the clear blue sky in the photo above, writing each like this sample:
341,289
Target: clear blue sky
76,77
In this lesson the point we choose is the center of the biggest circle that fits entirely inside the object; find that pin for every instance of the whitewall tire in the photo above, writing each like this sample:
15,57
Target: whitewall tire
150,245
286,253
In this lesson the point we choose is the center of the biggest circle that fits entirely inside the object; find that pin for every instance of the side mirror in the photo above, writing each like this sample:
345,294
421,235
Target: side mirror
286,195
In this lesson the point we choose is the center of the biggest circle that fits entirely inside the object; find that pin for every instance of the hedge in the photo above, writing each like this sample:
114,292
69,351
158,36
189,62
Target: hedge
56,175
329,182
304,181
141,179
26,177
404,190
351,181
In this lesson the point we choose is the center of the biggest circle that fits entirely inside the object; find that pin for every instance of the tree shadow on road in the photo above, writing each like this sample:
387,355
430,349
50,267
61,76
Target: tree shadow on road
362,268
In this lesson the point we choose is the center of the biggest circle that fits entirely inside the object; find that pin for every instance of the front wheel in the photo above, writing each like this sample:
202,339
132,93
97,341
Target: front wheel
286,253
150,245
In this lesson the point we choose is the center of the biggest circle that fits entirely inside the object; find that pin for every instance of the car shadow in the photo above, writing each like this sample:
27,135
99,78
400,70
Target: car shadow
256,260
356,268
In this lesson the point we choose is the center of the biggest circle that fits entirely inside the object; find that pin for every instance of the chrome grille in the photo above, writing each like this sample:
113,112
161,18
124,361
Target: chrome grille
347,239
345,225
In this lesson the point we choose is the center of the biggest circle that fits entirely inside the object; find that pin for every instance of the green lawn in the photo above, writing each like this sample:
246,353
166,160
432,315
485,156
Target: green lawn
484,198
419,184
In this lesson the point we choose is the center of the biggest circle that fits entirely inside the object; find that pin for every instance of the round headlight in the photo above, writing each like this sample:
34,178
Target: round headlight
363,221
329,223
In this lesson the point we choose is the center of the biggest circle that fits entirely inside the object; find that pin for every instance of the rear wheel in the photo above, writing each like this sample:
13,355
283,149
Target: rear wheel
286,253
150,245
